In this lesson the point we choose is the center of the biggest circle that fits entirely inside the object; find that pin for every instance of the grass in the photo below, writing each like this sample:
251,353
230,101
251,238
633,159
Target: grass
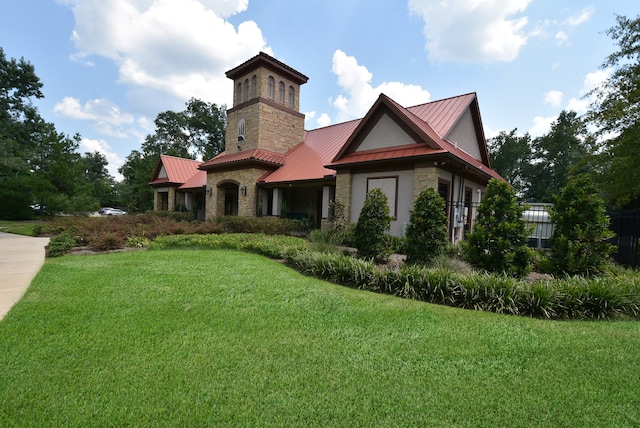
223,338
18,227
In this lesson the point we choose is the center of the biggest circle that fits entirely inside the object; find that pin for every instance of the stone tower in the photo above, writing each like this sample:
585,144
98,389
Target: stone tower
266,106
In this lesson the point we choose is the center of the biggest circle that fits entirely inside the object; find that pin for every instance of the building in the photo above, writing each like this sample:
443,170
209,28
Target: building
272,166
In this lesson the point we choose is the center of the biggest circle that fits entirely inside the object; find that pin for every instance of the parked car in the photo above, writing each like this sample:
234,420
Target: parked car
111,211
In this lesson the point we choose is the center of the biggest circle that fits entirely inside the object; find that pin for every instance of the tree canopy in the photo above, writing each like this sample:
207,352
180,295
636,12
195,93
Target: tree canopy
196,132
39,166
616,114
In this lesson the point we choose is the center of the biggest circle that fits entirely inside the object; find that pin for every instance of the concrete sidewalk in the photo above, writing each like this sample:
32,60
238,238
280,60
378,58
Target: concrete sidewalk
21,257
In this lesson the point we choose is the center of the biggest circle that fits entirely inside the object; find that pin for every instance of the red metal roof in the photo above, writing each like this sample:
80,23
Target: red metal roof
256,155
198,181
307,160
328,146
178,170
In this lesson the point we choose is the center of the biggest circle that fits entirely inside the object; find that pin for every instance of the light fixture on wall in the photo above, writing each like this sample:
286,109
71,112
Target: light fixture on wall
243,190
208,191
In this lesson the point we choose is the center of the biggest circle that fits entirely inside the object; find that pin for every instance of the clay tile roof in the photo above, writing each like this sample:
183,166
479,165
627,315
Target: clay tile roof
247,156
178,170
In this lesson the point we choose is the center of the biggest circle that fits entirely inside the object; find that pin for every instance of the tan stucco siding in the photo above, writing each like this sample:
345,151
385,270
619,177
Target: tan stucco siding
404,196
386,133
464,135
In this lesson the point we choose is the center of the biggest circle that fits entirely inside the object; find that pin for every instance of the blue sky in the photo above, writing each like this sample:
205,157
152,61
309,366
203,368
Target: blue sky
110,66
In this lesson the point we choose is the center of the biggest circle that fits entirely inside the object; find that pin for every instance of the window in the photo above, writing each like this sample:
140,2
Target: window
272,87
246,89
254,86
241,127
292,96
281,92
239,93
389,186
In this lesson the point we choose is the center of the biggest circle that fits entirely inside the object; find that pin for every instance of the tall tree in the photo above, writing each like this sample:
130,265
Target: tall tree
510,156
196,132
556,155
38,165
616,113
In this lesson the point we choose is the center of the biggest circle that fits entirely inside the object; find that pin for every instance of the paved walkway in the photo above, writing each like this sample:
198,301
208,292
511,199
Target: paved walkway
21,257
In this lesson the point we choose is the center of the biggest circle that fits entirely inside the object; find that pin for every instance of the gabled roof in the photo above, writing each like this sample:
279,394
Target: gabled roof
178,170
430,140
256,156
307,160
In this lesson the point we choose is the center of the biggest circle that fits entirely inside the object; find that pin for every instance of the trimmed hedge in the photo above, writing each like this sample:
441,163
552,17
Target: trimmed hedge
272,246
570,298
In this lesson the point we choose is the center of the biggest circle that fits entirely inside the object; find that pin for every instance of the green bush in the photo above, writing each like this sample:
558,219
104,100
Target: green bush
373,224
614,297
62,243
265,225
579,242
272,246
426,235
498,241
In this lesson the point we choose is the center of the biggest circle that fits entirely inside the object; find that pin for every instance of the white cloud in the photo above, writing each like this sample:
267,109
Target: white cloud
99,110
561,37
101,146
355,80
553,98
591,81
176,47
324,120
541,125
583,16
473,30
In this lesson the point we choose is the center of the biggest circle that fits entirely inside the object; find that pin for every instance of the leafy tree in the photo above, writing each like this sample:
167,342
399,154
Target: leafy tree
195,132
510,156
555,156
426,234
102,185
616,113
579,242
38,165
373,225
498,241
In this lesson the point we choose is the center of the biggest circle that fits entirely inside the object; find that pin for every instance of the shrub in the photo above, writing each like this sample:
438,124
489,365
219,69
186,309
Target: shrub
426,235
579,242
373,224
266,225
498,241
62,243
106,241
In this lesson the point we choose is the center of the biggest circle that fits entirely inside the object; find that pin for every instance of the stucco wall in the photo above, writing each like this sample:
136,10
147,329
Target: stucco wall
404,196
464,135
386,133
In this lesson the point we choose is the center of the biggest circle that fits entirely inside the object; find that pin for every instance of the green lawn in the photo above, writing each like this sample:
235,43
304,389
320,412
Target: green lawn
223,338
18,227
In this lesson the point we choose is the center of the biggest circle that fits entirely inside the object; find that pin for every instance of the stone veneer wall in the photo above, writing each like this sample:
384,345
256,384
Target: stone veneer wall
245,177
343,192
424,177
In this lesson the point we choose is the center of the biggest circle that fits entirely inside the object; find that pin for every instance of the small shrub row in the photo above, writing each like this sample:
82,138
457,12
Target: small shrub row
272,246
264,225
571,298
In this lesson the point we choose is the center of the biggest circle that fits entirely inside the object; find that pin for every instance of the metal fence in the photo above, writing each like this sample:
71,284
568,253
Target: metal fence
625,224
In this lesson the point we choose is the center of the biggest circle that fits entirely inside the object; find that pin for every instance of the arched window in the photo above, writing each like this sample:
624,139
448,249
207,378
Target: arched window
239,93
241,127
272,87
292,96
254,86
281,92
246,89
